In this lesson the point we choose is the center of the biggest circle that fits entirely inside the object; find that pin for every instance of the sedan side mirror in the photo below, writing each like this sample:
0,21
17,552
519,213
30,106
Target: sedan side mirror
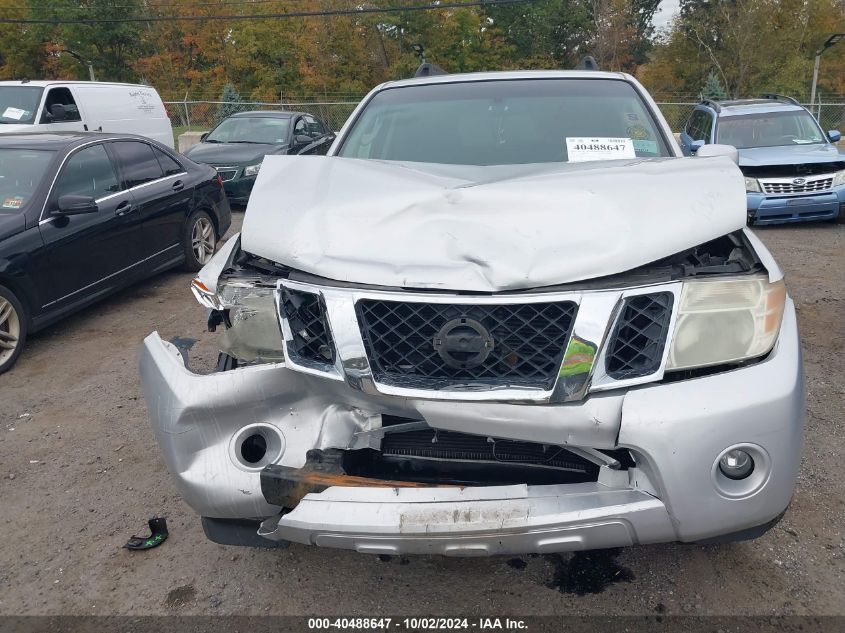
834,136
203,136
717,149
302,139
72,204
694,146
58,112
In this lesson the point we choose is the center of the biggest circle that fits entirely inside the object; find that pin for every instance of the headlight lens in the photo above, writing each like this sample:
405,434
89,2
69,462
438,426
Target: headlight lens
252,170
254,334
722,321
839,178
751,184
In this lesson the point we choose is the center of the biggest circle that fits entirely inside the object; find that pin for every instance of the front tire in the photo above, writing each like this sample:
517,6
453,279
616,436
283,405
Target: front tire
13,328
199,241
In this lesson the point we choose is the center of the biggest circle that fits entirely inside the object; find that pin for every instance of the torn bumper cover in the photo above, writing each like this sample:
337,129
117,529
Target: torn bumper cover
675,431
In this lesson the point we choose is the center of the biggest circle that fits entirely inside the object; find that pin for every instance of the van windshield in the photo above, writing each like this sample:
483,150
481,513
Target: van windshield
21,172
18,104
506,122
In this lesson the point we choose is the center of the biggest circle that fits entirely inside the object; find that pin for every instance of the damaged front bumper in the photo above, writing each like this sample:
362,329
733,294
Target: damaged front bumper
675,432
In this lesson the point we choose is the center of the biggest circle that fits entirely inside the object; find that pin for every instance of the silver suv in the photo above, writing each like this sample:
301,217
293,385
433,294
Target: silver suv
503,315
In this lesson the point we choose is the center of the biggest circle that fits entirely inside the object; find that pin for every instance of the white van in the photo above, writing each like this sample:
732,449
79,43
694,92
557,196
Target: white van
56,106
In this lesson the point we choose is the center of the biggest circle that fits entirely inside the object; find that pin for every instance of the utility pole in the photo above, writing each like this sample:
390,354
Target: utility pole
85,62
833,39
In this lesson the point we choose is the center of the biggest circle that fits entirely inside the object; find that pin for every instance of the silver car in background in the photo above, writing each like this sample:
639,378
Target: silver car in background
503,315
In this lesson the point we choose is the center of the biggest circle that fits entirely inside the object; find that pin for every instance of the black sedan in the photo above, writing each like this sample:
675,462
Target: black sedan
84,215
236,147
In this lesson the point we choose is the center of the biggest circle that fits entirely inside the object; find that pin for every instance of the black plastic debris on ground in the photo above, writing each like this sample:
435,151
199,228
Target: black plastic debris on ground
587,572
158,535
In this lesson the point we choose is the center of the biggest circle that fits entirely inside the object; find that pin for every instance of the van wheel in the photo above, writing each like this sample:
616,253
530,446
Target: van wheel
13,328
199,240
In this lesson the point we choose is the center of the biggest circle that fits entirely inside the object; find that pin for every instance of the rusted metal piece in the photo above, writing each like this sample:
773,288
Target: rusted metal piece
285,486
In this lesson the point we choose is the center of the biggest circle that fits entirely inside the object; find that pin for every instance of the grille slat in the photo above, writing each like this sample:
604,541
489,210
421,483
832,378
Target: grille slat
809,186
451,445
636,347
528,342
312,343
227,173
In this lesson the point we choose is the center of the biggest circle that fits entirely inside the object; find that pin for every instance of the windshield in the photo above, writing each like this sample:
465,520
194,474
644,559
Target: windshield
250,130
506,122
21,171
18,104
770,129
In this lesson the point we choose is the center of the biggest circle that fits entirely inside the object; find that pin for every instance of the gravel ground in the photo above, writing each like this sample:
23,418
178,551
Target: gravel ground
80,473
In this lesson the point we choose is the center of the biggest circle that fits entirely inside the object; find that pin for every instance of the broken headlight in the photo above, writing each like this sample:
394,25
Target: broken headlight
724,321
253,333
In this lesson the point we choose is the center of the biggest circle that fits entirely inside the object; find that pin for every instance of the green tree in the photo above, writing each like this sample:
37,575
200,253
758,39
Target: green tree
231,103
713,87
110,46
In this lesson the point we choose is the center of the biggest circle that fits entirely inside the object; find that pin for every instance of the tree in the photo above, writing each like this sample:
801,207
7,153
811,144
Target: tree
713,87
230,105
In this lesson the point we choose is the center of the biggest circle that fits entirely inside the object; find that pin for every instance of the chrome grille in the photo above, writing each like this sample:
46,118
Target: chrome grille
796,185
636,347
311,344
227,173
419,345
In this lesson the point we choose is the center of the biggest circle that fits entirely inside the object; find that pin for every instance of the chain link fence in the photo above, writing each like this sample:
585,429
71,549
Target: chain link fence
204,115
197,116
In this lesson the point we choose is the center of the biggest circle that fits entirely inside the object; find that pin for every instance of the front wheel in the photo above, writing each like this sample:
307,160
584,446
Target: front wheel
13,328
199,240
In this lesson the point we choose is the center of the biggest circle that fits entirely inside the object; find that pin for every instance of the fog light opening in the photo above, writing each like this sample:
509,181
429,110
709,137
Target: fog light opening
256,445
254,448
736,464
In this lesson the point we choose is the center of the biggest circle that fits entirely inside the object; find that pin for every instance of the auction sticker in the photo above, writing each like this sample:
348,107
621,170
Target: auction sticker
582,149
14,113
13,203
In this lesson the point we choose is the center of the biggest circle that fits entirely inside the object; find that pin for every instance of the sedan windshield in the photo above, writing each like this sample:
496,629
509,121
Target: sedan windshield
18,104
21,171
506,122
250,130
769,129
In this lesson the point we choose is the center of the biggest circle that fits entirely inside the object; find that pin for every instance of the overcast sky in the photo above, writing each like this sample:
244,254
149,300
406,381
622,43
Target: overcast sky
665,12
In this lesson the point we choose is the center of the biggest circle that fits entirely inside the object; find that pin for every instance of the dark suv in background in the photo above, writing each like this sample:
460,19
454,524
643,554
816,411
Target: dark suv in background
793,171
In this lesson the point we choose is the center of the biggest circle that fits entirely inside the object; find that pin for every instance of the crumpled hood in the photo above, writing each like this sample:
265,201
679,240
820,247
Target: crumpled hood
230,153
485,229
789,155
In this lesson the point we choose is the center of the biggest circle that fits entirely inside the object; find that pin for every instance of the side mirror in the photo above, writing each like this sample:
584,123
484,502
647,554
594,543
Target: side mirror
717,149
203,136
302,139
72,204
58,112
694,146
834,136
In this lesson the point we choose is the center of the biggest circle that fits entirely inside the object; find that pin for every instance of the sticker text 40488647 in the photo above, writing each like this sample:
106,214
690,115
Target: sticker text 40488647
580,149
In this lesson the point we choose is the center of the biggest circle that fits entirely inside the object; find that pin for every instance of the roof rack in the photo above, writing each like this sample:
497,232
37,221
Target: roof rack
427,69
776,97
713,103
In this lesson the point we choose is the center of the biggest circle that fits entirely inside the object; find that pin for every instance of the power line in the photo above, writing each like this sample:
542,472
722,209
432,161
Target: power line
263,16
153,5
